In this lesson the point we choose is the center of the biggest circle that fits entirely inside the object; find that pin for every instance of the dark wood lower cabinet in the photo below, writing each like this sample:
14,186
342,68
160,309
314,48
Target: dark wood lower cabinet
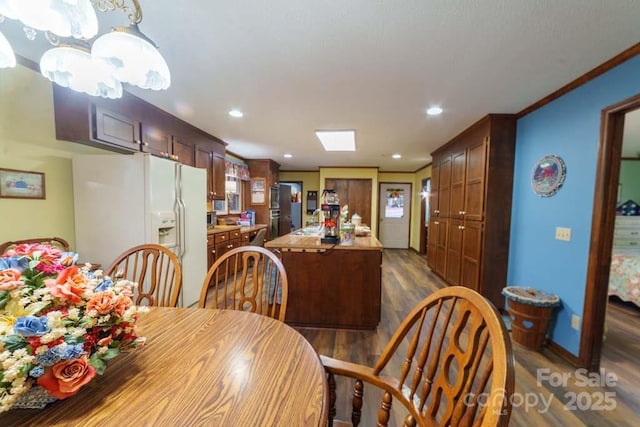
334,288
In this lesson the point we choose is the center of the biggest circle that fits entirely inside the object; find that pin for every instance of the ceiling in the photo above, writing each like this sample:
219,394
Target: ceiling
296,66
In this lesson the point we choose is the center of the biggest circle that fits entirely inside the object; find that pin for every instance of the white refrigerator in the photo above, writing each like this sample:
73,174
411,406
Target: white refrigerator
121,201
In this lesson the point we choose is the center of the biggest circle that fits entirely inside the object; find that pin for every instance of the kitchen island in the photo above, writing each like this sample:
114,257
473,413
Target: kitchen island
332,286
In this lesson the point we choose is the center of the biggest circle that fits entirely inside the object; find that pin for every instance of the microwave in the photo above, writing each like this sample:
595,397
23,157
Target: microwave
212,219
274,197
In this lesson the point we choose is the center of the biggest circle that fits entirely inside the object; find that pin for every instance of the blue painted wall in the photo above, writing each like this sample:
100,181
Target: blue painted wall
570,128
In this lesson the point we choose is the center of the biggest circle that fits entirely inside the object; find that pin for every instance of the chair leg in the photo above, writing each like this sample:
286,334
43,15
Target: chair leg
356,415
332,398
385,407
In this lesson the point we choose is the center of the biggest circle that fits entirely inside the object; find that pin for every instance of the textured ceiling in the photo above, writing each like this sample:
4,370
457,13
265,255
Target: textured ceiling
294,66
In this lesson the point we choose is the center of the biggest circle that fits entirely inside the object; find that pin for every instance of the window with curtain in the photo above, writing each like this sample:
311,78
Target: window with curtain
233,190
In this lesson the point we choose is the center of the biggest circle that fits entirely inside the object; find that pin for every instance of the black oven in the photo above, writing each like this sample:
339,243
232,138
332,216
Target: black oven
274,223
274,197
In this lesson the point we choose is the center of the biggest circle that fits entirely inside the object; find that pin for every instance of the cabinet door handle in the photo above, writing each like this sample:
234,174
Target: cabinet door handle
436,223
461,227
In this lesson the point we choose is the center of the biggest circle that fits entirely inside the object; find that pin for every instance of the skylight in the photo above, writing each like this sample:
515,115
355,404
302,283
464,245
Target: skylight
337,140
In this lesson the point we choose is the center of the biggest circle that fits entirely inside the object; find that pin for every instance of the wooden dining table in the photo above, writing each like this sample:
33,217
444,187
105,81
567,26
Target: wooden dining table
199,367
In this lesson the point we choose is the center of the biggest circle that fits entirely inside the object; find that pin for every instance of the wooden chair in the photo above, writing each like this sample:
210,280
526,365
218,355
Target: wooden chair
258,240
157,271
456,367
55,241
248,278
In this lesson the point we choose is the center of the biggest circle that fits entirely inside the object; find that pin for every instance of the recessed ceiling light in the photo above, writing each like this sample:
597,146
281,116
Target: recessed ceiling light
337,140
236,113
434,111
288,156
396,156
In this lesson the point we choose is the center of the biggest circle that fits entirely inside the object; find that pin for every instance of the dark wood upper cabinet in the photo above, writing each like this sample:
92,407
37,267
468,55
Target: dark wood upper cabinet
128,125
155,140
204,160
114,128
218,177
184,150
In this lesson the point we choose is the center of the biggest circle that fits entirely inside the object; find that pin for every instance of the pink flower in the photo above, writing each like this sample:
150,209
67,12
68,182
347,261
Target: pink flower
122,304
10,279
69,286
101,302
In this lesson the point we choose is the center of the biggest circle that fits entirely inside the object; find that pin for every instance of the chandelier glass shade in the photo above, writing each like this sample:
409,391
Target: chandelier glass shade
7,57
134,57
123,55
64,18
74,67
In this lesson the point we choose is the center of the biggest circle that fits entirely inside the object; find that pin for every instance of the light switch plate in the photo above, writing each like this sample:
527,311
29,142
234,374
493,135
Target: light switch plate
563,233
575,322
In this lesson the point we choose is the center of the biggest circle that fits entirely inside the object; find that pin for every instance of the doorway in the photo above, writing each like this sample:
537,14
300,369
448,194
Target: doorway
424,214
296,203
395,215
602,230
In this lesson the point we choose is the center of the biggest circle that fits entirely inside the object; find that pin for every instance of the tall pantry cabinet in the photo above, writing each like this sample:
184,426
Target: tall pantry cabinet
470,207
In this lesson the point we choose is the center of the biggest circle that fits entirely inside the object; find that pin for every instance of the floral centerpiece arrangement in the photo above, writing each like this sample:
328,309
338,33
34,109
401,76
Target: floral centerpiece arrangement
59,323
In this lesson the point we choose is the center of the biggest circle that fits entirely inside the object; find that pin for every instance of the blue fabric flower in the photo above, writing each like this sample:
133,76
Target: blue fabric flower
31,326
104,285
71,352
19,263
51,357
36,372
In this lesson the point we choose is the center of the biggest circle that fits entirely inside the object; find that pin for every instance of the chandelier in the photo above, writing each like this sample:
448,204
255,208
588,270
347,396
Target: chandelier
123,55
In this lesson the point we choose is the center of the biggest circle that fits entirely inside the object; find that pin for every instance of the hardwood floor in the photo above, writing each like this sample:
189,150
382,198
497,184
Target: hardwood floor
406,280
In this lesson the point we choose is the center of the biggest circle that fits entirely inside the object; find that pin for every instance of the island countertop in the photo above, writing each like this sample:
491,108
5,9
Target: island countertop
293,242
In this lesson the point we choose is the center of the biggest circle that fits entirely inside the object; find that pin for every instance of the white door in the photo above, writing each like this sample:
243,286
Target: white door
395,208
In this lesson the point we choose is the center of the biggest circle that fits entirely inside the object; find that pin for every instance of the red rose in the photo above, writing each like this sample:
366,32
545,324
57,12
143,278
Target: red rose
65,378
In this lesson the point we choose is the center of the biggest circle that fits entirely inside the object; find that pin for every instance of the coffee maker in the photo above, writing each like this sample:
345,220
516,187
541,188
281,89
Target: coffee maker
331,212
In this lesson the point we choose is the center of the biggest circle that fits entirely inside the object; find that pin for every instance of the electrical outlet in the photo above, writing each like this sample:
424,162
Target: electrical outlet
575,322
563,233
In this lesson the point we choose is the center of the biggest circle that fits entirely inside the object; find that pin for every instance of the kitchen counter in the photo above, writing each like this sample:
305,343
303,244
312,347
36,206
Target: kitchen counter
291,241
223,228
332,286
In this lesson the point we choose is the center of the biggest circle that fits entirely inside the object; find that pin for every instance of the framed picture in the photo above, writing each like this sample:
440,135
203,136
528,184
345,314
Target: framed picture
257,191
18,184
548,175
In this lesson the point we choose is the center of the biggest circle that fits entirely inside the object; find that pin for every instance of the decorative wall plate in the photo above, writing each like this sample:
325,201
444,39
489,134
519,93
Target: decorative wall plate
548,175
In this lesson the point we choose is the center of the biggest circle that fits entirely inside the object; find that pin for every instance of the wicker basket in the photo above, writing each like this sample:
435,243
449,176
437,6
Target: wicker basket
35,398
530,312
